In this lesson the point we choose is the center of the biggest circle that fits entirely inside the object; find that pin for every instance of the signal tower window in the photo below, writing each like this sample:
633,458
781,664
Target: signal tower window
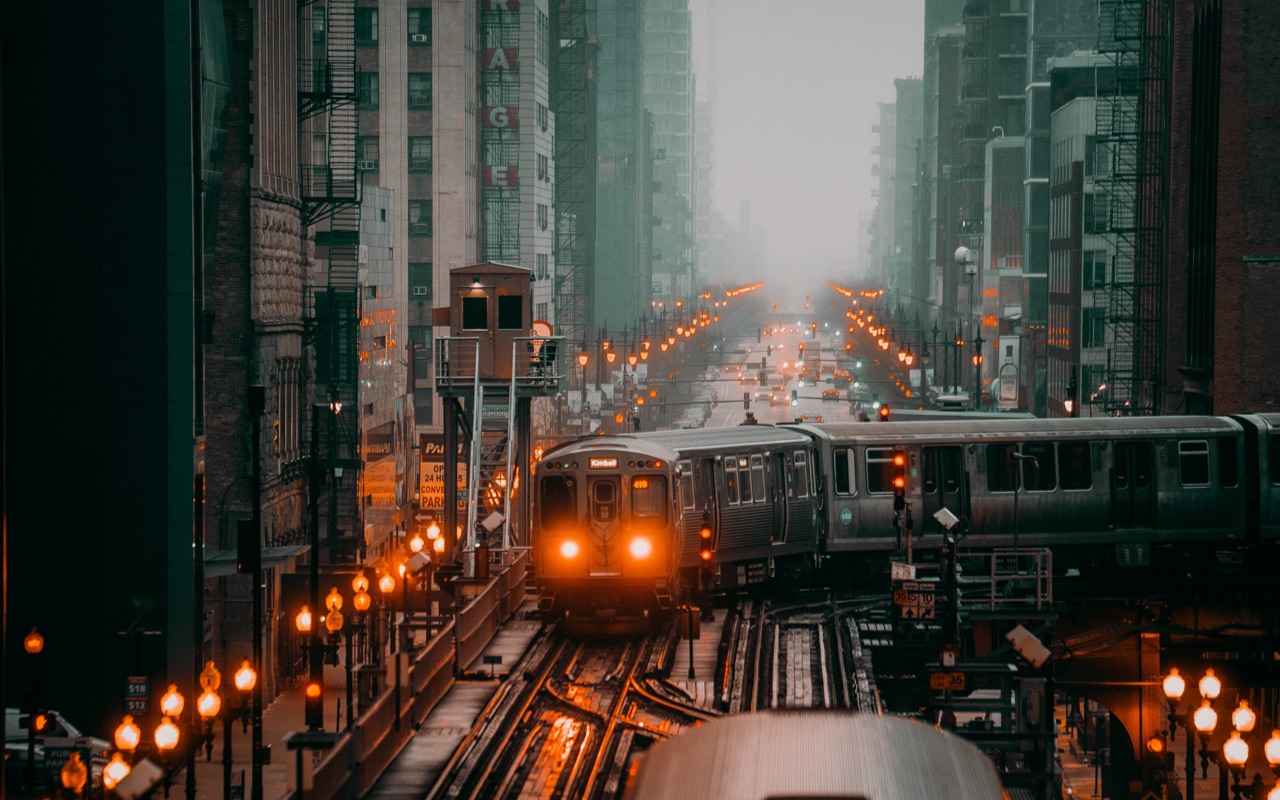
1193,463
558,502
880,470
842,471
649,498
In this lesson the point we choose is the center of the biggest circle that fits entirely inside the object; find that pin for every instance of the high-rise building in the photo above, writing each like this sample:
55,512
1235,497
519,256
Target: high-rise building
669,98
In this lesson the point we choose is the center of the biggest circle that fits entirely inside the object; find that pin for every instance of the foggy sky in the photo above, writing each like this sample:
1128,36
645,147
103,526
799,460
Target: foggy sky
797,84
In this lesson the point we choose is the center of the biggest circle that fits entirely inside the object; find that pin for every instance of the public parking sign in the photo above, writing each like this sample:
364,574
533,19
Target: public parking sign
57,751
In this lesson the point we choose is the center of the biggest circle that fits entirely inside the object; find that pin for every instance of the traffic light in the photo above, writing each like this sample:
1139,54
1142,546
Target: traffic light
759,335
313,708
802,347
37,722
848,346
883,413
795,401
746,400
704,537
768,349
763,365
899,479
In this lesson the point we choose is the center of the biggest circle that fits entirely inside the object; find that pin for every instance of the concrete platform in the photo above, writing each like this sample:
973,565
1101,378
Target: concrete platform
419,764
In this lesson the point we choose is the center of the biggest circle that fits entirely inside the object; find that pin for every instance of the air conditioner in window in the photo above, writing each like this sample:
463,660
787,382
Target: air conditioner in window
421,290
367,166
419,165
419,101
420,228
418,38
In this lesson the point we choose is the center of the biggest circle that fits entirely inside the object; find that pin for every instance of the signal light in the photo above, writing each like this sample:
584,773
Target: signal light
883,413
899,480
704,533
313,710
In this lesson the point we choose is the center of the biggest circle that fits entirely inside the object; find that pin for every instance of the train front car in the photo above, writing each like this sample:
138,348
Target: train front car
606,522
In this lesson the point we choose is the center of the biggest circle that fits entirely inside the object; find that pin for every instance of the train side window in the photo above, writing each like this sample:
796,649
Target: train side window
1228,463
842,471
1273,458
880,470
1039,475
731,480
950,458
604,499
649,498
686,484
1074,467
1002,469
801,462
1193,463
744,480
558,502
757,478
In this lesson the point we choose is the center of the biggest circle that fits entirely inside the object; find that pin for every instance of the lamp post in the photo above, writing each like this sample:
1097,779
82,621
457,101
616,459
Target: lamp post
33,645
582,362
977,372
1069,404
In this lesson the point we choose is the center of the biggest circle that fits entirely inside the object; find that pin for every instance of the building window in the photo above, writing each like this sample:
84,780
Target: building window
542,216
367,153
541,41
544,170
419,153
421,277
366,90
542,269
540,111
1095,269
1097,158
366,27
1096,207
1093,322
317,28
419,217
420,90
543,311
420,27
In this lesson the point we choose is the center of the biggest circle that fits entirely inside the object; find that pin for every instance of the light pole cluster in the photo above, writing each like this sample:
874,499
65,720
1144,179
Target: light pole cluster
1231,756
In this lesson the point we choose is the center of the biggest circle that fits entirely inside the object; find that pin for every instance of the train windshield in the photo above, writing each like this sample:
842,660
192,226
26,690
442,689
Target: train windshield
558,502
649,499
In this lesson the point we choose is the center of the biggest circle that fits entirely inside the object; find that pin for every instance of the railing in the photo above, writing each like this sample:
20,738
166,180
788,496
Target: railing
360,756
539,362
1009,579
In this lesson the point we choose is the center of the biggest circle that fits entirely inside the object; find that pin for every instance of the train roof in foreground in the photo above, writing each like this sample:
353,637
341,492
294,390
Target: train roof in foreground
830,754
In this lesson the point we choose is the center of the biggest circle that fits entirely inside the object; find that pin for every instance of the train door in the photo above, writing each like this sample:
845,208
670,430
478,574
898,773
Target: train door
941,485
779,487
1132,491
709,499
603,498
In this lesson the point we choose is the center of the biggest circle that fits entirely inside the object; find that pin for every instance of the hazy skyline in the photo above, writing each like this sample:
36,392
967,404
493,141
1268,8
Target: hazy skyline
797,87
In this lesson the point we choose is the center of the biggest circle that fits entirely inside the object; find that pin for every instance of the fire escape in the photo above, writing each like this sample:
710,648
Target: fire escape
573,103
1132,127
330,190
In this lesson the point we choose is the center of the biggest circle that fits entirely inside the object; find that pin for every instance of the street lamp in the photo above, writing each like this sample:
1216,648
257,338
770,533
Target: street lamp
582,362
977,372
1069,405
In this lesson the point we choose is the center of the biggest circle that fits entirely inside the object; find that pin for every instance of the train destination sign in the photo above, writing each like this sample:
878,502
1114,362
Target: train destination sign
603,463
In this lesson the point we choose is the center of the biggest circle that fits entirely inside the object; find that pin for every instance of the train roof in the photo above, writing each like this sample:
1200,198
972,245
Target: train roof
816,754
1058,428
624,443
720,438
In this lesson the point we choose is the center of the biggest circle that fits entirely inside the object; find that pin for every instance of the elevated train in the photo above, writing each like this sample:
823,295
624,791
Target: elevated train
1169,491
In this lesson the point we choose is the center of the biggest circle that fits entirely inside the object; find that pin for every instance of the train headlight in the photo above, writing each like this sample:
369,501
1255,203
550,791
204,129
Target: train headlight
569,549
641,547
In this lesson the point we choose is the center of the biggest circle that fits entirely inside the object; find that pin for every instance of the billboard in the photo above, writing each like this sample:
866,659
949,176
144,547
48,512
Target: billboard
431,474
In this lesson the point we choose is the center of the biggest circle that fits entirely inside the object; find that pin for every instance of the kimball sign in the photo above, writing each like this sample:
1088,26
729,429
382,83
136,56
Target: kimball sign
431,485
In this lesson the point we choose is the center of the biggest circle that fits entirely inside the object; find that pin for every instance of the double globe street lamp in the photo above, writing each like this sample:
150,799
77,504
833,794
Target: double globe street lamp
1234,753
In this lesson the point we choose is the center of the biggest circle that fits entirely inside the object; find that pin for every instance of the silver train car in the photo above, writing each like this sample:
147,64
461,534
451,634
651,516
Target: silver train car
1109,491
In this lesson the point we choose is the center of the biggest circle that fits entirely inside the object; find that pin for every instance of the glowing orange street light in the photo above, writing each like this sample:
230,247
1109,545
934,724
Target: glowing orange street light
303,620
33,642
